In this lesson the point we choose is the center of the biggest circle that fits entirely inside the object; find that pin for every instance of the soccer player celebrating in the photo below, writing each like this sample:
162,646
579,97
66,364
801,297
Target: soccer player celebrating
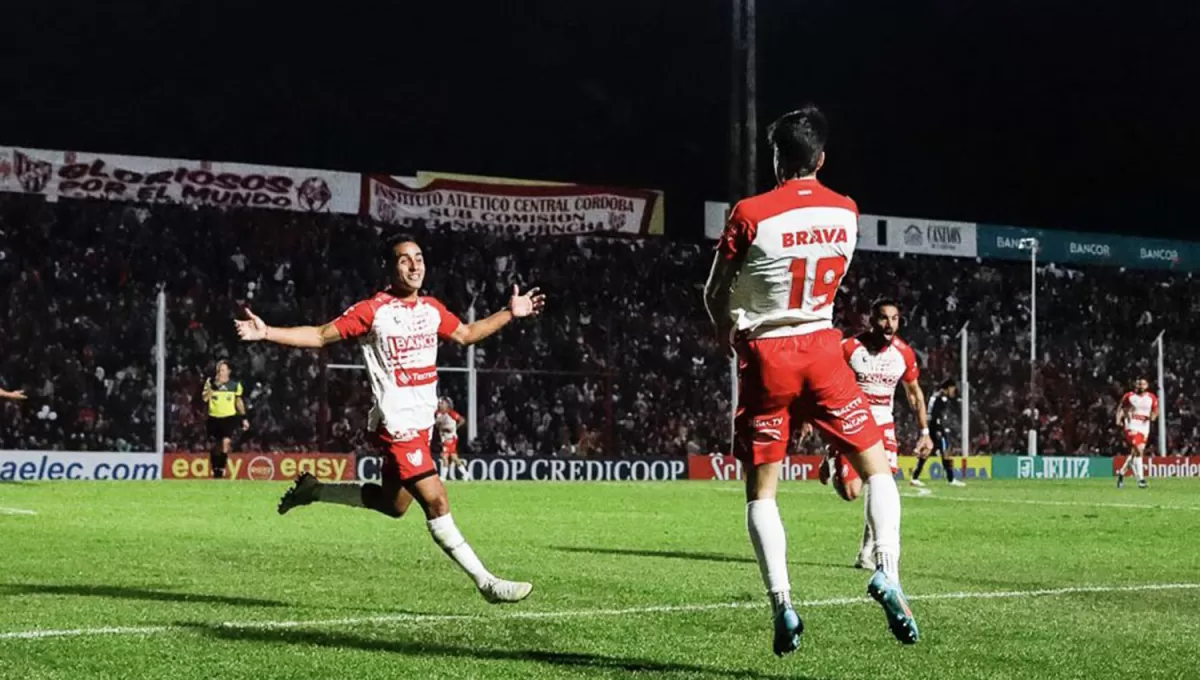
448,423
940,414
226,410
398,330
770,295
880,360
1134,414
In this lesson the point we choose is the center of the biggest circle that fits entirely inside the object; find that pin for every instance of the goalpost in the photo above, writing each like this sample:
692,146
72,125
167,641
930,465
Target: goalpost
965,398
1159,343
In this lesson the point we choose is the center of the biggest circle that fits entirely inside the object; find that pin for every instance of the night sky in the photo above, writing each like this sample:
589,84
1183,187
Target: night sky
1017,112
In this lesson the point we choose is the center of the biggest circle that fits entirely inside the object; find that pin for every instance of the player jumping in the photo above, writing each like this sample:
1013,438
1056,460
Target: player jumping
939,420
448,423
770,295
880,360
398,330
1134,414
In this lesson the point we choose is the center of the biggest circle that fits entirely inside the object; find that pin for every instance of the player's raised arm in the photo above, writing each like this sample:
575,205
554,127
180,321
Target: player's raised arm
15,394
519,306
254,329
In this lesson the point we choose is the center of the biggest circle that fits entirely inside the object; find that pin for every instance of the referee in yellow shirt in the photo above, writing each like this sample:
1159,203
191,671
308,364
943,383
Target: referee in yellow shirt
226,411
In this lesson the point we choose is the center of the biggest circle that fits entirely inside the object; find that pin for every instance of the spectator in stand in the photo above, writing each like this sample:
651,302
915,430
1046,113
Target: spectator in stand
623,366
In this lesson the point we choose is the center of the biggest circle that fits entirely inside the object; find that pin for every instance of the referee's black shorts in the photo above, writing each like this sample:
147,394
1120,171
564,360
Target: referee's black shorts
223,428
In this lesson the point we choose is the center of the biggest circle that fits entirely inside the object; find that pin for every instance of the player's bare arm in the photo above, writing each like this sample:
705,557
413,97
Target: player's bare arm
519,306
14,394
916,399
254,329
1121,414
716,296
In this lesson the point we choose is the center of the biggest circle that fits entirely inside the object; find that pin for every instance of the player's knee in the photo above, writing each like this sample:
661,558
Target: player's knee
437,505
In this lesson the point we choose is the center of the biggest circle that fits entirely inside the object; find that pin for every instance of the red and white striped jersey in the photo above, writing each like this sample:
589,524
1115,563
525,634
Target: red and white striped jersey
399,342
879,372
1139,407
797,241
447,424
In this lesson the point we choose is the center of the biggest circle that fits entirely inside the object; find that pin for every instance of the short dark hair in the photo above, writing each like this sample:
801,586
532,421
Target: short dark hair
881,303
224,362
388,251
947,384
799,139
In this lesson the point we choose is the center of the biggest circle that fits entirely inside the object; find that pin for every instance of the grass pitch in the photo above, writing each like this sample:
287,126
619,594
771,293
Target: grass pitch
184,580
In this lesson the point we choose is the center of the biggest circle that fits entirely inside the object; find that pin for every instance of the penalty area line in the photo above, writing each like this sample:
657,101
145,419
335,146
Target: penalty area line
18,511
574,614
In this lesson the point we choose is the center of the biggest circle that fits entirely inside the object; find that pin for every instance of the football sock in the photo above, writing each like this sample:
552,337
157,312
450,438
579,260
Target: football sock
452,542
770,548
920,467
868,539
948,466
883,513
1137,468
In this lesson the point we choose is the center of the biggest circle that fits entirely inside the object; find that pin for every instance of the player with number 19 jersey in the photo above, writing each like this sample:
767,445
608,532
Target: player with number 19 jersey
796,243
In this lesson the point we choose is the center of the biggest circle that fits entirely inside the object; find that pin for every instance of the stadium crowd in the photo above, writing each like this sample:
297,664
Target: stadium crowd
622,362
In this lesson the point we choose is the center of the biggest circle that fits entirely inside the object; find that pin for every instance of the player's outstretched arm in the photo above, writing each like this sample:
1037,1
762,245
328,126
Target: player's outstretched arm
529,304
254,329
15,394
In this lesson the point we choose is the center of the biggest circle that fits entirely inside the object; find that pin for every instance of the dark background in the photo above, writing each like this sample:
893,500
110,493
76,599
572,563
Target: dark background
1054,113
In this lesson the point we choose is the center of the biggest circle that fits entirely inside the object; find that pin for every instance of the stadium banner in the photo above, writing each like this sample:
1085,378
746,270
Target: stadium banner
725,468
1051,467
1071,247
969,467
278,467
917,236
657,215
38,466
1164,466
503,469
140,179
503,208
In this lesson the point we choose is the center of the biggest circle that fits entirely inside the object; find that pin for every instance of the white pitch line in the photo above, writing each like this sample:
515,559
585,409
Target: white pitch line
17,511
929,495
579,613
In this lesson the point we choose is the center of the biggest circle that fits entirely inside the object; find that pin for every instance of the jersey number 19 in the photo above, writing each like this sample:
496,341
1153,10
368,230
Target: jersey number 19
826,279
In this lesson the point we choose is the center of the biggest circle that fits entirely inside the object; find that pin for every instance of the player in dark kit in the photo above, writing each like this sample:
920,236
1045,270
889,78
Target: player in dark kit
940,415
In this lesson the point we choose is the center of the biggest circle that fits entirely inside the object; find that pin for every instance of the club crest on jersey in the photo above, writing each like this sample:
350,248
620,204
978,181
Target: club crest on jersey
414,458
814,236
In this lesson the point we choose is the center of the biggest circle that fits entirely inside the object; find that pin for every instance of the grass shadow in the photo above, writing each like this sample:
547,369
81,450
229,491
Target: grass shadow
126,593
424,648
685,555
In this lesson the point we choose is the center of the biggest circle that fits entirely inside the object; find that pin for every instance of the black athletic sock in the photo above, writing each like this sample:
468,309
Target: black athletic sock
920,466
219,459
948,466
